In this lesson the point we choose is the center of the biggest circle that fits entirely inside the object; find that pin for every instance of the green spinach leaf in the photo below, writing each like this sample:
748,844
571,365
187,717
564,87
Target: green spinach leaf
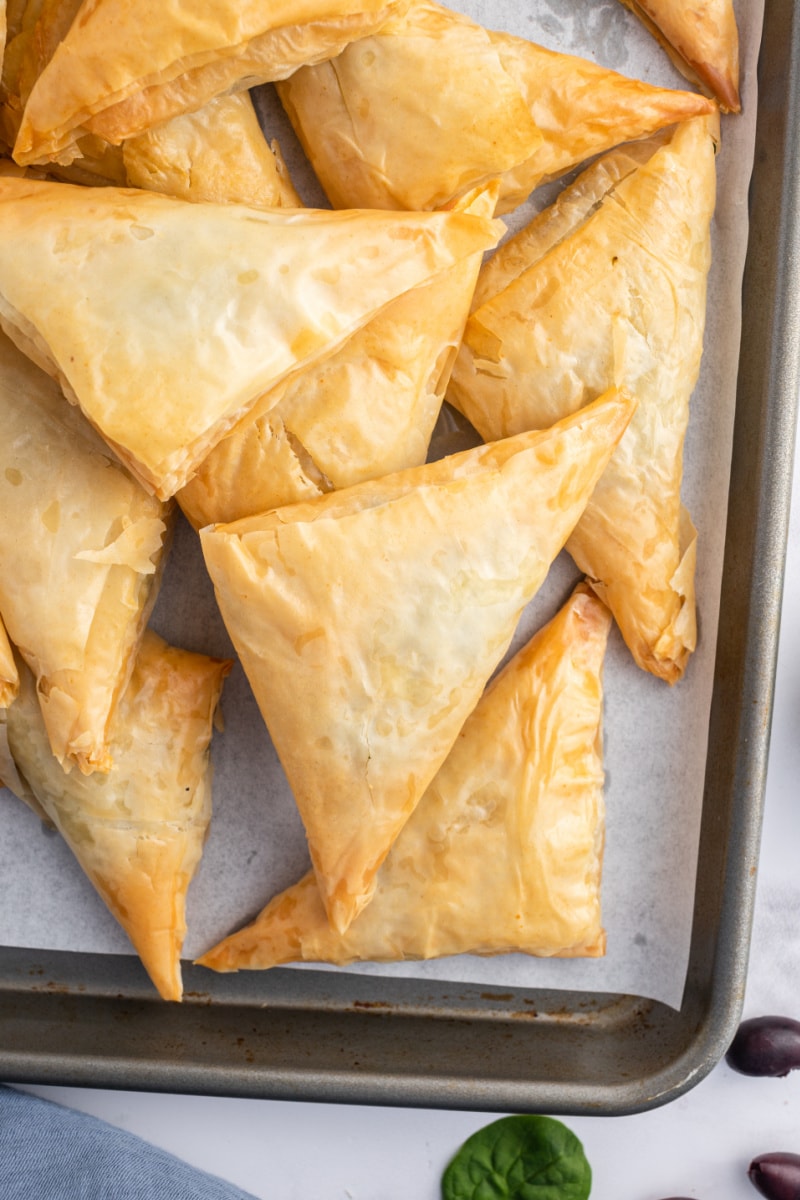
519,1158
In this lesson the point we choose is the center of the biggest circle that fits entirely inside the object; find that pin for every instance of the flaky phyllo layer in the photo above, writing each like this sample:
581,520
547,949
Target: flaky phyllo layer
218,302
609,286
367,410
81,548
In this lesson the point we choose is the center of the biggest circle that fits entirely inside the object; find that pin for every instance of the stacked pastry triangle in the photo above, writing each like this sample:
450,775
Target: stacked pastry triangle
504,850
215,153
73,526
609,285
218,303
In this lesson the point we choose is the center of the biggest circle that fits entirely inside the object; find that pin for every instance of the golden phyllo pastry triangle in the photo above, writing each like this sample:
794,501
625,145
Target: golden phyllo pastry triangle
701,39
369,621
138,833
582,110
123,68
434,104
366,411
504,850
418,114
609,285
165,320
81,545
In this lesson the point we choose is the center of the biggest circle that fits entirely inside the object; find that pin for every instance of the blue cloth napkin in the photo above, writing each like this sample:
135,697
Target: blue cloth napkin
48,1152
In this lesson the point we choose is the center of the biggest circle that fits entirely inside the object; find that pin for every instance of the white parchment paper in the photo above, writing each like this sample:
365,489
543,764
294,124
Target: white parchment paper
655,736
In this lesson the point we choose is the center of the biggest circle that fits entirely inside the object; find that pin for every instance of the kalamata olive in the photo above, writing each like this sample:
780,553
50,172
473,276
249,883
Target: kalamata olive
776,1176
765,1046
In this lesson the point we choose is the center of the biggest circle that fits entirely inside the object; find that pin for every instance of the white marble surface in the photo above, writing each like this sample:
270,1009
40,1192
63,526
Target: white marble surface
697,1146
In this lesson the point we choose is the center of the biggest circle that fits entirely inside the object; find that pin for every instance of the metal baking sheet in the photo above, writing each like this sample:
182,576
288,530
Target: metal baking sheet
92,1019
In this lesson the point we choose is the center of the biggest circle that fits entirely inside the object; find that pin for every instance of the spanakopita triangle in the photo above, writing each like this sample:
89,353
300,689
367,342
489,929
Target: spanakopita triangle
434,104
368,622
701,39
609,285
138,834
166,320
123,68
367,410
504,850
81,550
